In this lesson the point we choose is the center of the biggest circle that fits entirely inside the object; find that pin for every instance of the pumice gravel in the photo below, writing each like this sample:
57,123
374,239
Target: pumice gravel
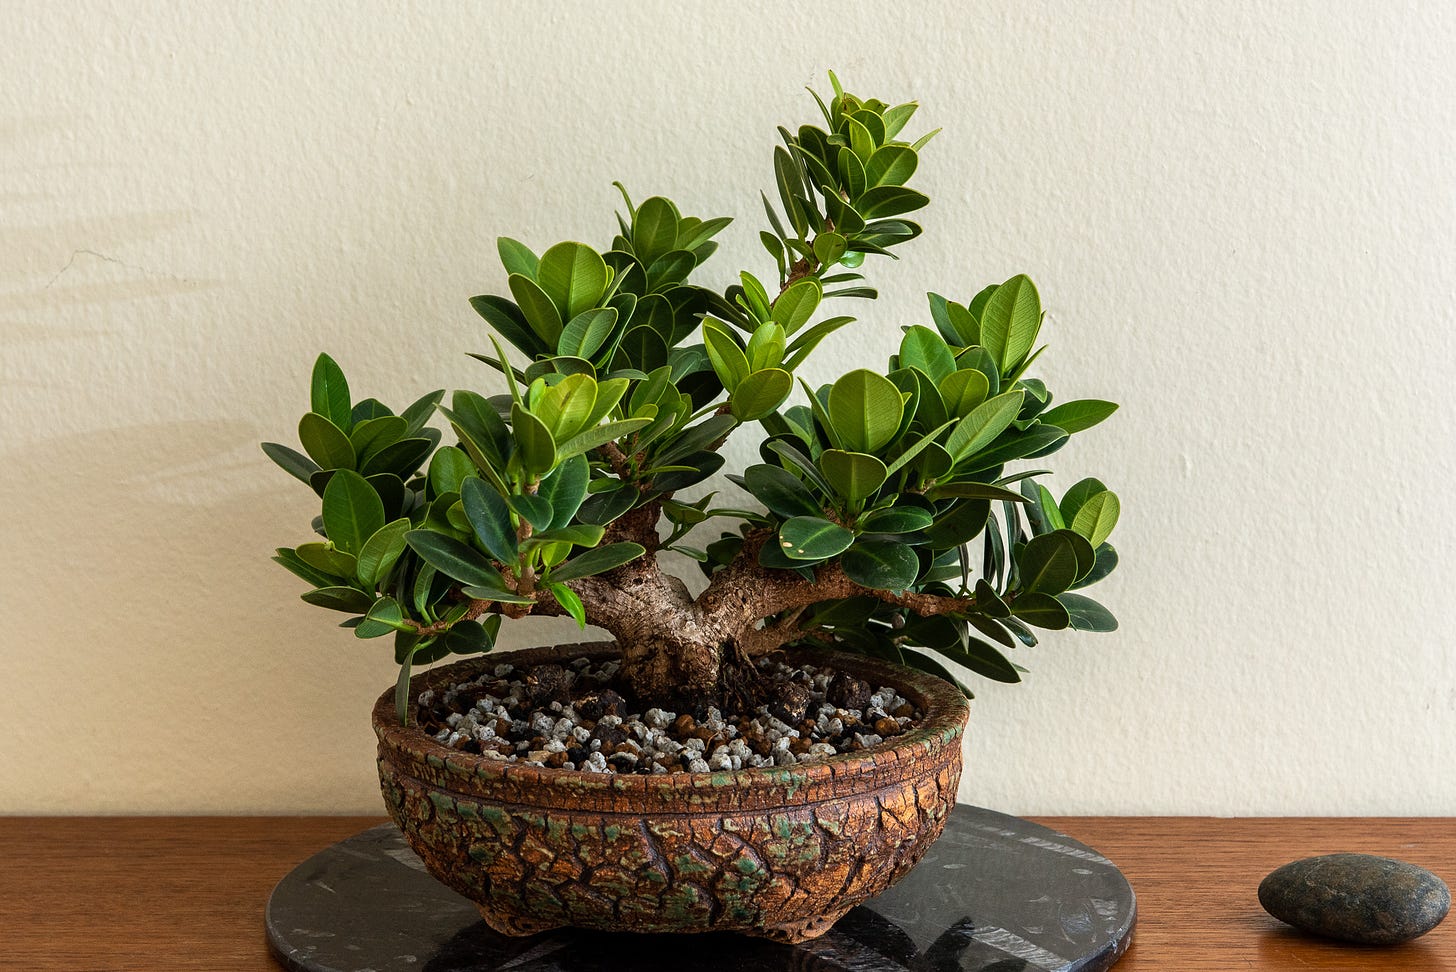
572,717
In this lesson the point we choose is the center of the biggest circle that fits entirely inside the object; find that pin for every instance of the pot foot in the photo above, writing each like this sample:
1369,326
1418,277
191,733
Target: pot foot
794,932
514,925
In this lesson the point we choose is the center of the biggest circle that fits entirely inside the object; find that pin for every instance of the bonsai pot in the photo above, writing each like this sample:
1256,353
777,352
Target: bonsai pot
780,852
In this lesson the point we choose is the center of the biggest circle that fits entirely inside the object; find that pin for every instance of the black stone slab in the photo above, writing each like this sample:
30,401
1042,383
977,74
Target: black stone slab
994,894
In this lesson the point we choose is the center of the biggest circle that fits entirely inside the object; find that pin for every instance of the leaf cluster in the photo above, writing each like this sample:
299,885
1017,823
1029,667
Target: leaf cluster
624,378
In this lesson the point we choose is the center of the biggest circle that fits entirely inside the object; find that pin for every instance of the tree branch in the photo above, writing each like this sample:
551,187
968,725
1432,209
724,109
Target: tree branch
741,595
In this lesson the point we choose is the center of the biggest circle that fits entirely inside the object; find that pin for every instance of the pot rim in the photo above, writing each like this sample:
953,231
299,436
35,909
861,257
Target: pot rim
900,758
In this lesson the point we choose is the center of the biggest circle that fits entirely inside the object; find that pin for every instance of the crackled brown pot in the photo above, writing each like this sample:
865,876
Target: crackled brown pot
781,852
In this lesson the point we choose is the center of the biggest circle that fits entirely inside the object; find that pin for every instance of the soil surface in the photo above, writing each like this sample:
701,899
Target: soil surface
576,716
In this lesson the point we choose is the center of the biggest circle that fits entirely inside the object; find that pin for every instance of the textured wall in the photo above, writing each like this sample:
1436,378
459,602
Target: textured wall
1242,219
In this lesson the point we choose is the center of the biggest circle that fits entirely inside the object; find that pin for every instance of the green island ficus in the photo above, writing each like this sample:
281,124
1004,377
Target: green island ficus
890,524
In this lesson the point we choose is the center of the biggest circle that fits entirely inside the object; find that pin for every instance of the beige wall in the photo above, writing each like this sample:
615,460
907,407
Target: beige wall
1242,217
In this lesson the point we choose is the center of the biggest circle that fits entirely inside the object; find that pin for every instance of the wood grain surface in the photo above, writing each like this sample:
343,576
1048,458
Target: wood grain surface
188,893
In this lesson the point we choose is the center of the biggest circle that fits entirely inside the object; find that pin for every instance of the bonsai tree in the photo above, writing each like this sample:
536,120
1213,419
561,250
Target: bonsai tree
556,495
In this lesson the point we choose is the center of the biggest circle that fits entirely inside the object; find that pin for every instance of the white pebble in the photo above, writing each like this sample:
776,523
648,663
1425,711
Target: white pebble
554,746
580,733
595,763
785,758
697,766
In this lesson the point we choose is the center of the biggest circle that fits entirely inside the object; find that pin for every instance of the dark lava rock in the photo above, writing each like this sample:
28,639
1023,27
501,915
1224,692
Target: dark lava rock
847,692
595,704
788,700
548,683
1357,898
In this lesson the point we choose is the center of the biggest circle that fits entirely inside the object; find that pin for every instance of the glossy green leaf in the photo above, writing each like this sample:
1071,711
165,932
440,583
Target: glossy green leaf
579,534
346,599
574,276
290,561
923,349
352,511
982,659
795,306
510,323
467,637
923,444
854,475
1048,564
813,538
654,229
329,393
1086,614
455,559
1077,497
535,510
1010,321
766,347
402,683
1079,415
496,593
1104,563
989,602
295,463
565,407
974,491
1097,517
979,429
961,524
596,561
371,435
449,467
759,393
896,519
729,361
781,491
516,257
570,602
829,248
598,436
881,564
534,440
328,558
584,335
381,551
478,423
489,518
565,489
865,409
883,201
963,391
1040,440
892,165
401,458
539,310
1042,610
1048,508
385,616
325,442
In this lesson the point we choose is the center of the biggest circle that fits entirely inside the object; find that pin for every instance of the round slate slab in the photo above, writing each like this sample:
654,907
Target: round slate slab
994,894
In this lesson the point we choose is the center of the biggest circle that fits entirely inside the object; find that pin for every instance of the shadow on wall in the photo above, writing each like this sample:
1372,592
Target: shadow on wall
164,662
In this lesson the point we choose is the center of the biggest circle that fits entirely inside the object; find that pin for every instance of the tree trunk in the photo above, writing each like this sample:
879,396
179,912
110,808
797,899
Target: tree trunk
670,673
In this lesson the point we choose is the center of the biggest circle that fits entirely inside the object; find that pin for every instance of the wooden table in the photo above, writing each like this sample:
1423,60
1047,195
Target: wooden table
188,892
